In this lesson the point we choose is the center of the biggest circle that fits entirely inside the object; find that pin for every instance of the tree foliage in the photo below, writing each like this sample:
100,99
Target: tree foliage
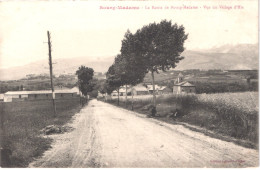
157,46
123,72
85,75
128,71
113,79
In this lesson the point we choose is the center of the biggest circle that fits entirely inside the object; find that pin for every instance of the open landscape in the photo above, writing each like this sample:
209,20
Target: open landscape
129,84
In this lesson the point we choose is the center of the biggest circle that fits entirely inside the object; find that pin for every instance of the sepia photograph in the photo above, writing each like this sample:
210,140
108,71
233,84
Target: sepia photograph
129,84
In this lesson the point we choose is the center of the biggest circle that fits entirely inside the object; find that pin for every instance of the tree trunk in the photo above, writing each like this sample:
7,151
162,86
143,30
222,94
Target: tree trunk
132,99
125,95
154,97
118,97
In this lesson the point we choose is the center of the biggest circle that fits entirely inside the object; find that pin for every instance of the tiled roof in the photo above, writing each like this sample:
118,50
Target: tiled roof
162,87
180,75
150,87
184,84
140,88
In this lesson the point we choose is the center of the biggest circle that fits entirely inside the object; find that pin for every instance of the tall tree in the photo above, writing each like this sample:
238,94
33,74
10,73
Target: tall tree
156,47
113,81
128,72
85,75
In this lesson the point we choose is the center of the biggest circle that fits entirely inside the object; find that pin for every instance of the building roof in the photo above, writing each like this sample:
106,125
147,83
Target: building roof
60,88
140,88
150,87
162,87
184,84
38,92
75,89
122,90
180,75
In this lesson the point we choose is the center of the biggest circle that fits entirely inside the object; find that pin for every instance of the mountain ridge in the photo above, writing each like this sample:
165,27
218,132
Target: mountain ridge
226,57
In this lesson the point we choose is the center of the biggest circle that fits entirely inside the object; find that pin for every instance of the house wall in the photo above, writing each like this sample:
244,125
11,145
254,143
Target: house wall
188,89
7,98
23,97
114,94
65,95
176,89
181,89
15,97
165,91
156,91
39,96
139,92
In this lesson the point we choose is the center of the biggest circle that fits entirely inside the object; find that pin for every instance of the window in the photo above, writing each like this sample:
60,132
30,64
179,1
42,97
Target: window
61,95
47,95
20,96
35,96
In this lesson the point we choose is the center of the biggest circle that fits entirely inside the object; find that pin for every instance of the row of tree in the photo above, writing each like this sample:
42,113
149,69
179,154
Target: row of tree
153,48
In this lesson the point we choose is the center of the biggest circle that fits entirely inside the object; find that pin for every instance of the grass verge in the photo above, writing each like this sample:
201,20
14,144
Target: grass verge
228,121
21,123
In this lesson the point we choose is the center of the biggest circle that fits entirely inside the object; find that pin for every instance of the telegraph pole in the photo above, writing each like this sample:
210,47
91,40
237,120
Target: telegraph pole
50,63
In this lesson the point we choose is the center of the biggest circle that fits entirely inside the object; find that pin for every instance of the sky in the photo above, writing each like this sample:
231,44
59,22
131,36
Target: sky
83,29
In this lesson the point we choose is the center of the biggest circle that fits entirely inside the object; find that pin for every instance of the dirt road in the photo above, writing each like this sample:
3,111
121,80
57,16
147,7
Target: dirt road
108,136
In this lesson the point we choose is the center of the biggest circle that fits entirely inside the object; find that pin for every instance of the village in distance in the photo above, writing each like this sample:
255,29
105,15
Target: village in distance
202,93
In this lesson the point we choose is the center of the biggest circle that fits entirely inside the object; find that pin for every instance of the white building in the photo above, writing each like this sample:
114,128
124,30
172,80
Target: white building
38,95
122,91
150,88
139,90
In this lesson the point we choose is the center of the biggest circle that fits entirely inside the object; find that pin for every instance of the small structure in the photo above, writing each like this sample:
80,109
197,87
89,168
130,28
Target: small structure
38,95
100,95
179,79
76,90
139,90
180,86
2,97
114,93
122,91
164,90
150,89
184,87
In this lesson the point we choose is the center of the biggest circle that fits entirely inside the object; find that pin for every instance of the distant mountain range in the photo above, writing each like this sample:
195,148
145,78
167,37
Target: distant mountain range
227,57
60,66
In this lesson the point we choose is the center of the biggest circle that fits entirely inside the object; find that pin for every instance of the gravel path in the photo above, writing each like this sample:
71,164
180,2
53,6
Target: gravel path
108,136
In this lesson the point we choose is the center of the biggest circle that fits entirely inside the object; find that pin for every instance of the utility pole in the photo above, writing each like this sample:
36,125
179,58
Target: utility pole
50,63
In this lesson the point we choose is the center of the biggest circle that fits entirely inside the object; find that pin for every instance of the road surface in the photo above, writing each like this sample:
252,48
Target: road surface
108,136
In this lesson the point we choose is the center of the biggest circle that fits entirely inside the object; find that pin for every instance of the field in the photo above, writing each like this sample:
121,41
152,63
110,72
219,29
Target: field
229,114
21,123
246,101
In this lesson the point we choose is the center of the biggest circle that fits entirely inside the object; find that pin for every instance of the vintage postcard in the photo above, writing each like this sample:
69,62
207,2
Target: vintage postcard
129,84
